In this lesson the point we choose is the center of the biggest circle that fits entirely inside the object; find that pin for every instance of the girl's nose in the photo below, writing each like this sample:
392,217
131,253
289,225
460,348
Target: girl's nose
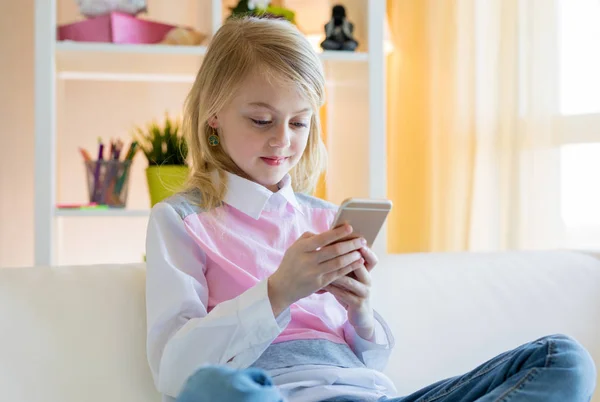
281,137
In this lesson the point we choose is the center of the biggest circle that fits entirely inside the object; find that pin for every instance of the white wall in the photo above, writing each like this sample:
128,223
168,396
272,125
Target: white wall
16,134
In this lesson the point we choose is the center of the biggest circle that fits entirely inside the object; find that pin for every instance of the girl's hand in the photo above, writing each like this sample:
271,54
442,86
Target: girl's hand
355,295
312,263
353,292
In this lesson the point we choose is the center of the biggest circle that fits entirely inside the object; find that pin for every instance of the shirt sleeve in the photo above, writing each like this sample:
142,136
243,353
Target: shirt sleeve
374,353
182,335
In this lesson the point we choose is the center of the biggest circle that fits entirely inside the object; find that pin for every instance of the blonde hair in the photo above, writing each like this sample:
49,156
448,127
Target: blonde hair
241,47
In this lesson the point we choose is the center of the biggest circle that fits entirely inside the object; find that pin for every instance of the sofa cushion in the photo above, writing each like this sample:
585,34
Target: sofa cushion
74,334
449,312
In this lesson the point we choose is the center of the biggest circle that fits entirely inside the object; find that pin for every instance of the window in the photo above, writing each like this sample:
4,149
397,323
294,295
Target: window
579,33
579,56
580,174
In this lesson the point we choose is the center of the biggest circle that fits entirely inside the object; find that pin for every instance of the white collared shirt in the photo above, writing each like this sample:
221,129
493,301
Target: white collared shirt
207,300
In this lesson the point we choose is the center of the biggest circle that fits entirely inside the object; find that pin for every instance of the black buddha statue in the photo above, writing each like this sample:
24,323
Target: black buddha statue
339,31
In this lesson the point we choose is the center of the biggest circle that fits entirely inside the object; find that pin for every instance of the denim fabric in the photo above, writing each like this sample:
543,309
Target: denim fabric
220,383
551,369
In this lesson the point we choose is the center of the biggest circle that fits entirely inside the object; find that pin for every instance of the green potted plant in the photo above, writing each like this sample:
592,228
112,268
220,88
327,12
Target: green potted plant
261,8
166,151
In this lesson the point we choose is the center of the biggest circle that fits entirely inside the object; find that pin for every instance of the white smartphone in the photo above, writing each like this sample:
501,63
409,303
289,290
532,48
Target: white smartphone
366,216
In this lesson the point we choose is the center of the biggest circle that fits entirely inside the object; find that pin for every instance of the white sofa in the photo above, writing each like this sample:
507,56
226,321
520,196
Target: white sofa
76,334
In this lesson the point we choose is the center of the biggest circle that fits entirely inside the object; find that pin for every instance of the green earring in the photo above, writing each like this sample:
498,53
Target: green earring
213,139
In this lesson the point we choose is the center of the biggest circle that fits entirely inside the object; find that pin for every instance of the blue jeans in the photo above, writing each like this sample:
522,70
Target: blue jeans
551,369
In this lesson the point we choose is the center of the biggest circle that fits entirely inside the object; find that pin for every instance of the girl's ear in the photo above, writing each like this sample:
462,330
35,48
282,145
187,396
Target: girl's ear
213,122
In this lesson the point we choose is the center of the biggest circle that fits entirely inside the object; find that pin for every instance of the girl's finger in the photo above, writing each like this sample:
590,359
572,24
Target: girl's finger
335,250
326,238
330,277
340,262
363,276
370,258
344,297
352,286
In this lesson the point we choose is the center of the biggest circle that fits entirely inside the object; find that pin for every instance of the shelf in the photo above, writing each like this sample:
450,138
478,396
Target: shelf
332,55
146,63
122,62
97,47
115,212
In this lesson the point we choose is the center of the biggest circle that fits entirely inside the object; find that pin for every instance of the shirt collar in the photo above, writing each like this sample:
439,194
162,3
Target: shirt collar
251,198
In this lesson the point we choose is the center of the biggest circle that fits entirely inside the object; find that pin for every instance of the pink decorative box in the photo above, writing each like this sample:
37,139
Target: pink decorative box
116,28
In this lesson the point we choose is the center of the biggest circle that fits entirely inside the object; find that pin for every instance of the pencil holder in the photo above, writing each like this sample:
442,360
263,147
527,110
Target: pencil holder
108,182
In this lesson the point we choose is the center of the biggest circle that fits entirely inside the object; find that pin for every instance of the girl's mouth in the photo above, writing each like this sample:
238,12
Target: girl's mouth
273,161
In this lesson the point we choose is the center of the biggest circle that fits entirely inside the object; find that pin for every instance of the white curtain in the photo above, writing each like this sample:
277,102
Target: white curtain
487,134
516,194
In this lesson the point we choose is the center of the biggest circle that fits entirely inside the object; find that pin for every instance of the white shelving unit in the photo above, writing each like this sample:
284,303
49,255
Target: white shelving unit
101,213
59,62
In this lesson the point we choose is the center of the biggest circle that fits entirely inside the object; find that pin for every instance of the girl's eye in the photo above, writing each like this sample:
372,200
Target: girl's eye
261,122
300,125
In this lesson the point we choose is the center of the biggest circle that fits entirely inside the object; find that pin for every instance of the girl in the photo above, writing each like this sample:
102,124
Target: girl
245,277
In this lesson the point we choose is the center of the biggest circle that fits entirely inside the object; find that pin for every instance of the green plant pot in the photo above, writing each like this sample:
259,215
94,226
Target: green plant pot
164,181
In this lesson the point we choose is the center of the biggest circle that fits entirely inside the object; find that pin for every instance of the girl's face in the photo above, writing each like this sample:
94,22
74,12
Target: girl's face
264,129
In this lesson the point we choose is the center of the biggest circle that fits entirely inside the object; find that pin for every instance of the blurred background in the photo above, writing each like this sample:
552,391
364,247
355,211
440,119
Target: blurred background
486,123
